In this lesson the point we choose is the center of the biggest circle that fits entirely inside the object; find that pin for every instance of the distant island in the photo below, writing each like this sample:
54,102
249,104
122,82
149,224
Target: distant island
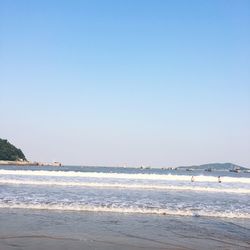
11,155
214,167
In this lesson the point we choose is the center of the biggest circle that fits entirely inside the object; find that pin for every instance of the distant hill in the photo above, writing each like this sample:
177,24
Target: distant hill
9,152
214,166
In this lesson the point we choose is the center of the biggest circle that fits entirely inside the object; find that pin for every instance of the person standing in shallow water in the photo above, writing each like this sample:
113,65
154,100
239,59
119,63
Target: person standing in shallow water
219,180
192,179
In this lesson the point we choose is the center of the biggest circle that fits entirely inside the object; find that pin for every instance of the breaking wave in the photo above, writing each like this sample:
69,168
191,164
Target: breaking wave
169,177
160,211
126,186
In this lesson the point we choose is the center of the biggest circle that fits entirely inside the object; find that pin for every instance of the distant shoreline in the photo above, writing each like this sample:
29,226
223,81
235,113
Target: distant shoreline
29,163
211,167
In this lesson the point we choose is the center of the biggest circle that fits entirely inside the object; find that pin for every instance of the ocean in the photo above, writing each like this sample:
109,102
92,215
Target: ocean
155,194
126,190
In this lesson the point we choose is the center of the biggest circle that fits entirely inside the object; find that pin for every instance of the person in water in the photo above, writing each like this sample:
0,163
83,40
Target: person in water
192,179
219,180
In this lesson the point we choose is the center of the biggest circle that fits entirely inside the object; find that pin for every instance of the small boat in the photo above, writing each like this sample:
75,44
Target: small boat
208,169
235,170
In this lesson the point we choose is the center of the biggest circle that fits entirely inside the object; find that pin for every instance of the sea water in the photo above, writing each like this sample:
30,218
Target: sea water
127,190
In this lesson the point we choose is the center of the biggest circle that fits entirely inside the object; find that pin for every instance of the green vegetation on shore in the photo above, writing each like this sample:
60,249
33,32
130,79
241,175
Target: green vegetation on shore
9,152
214,166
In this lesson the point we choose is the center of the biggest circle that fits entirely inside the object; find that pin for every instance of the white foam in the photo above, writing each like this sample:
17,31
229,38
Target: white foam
75,207
169,177
126,186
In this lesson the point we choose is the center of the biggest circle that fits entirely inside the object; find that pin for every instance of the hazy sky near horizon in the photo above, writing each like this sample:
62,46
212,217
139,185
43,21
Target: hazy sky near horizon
156,83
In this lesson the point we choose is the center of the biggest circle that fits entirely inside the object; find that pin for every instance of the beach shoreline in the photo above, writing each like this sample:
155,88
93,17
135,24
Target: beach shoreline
18,163
84,208
29,163
29,229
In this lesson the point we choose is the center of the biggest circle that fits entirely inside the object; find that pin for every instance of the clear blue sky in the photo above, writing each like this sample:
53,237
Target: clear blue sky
156,83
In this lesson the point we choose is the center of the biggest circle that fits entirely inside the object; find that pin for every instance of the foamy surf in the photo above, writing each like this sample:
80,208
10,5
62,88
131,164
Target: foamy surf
169,177
156,192
113,209
126,186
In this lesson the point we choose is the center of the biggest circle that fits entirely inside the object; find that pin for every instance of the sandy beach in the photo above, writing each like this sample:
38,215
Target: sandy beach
41,229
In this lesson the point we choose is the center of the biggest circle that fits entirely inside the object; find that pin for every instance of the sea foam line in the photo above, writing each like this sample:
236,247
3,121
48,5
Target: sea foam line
169,177
88,208
126,186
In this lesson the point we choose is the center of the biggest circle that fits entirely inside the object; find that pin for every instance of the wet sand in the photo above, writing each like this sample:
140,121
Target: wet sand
41,229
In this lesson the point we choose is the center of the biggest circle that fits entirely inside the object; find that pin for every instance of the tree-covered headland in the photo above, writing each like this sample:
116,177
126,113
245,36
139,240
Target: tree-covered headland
9,152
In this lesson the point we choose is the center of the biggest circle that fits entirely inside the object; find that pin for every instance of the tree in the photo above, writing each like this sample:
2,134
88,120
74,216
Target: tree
9,152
